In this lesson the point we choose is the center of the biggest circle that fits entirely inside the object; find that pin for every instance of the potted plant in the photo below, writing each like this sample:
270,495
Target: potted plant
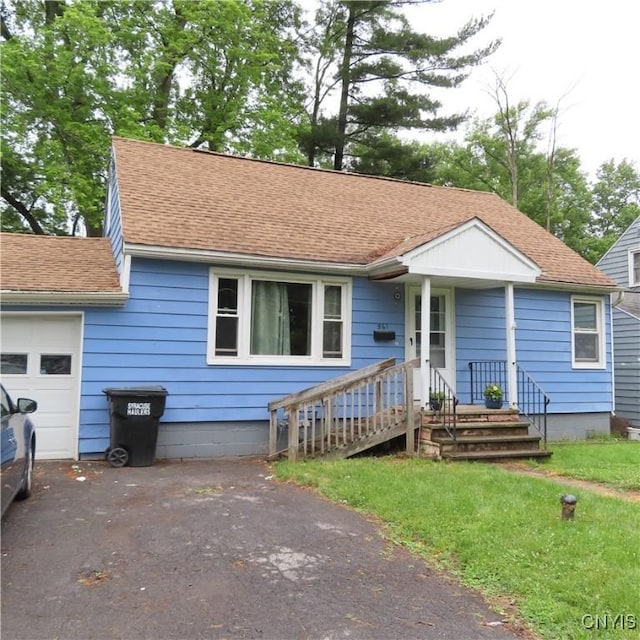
436,400
493,396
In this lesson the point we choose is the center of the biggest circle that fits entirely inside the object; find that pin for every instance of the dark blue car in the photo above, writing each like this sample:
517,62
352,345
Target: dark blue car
18,448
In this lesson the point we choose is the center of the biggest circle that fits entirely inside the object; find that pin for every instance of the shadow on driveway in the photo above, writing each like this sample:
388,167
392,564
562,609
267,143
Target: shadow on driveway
213,549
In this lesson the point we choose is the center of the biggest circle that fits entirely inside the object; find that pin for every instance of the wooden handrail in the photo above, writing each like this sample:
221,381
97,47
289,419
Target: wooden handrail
347,412
335,385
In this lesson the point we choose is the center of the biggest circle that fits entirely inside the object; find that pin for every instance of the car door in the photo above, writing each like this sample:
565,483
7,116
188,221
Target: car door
10,450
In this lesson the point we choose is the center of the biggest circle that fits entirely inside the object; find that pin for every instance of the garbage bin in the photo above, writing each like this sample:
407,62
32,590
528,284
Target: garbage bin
135,413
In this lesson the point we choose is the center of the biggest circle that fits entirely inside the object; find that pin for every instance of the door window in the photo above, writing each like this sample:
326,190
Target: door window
437,336
55,365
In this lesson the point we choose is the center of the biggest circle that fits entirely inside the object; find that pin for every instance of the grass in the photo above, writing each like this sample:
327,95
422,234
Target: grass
613,462
501,533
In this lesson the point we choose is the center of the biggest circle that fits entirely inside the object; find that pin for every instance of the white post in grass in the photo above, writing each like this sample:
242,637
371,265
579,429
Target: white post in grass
425,331
512,379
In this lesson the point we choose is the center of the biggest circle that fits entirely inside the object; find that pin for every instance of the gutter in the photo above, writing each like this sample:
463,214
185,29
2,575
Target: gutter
90,298
242,259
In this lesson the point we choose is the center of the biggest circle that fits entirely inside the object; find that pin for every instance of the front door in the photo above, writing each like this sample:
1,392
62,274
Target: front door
441,352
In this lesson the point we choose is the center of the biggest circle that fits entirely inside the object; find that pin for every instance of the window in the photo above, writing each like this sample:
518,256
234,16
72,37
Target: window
13,364
271,319
55,365
588,333
634,268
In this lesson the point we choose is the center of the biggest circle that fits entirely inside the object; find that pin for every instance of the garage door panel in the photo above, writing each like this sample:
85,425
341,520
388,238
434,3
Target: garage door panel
52,345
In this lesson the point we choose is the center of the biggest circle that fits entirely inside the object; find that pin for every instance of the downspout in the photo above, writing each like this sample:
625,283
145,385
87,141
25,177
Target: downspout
425,328
512,379
613,357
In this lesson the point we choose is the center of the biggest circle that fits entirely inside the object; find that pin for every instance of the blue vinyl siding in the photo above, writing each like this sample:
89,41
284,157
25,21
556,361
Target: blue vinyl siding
160,338
543,345
114,220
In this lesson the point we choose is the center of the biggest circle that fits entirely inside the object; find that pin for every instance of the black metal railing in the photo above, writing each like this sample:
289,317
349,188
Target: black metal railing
532,401
443,402
488,372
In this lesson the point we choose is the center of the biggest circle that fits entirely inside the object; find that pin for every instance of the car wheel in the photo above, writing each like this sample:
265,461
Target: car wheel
27,476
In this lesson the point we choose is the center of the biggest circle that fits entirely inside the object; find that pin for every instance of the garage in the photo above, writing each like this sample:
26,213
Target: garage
41,359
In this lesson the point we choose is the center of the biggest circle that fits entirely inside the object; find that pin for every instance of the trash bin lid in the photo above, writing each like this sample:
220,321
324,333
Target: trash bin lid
136,392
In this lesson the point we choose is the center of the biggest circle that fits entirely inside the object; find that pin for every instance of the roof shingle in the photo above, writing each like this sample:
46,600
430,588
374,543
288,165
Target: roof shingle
57,264
183,198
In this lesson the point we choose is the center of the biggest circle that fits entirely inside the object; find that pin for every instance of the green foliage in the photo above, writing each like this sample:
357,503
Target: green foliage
501,533
493,392
384,70
616,204
214,73
502,154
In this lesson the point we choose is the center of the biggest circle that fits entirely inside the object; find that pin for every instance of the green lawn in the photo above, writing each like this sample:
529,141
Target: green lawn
615,463
503,534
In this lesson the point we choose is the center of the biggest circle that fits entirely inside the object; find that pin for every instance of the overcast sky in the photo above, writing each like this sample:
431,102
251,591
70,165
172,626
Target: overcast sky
586,50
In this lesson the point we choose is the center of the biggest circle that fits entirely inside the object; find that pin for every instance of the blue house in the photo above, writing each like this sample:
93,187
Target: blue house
234,282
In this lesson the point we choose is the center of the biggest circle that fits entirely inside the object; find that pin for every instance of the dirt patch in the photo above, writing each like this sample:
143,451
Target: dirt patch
596,487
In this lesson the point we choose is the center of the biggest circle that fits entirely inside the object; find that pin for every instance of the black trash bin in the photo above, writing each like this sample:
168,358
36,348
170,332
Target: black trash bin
135,413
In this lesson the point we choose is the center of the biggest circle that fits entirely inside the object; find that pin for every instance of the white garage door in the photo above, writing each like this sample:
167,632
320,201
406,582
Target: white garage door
41,360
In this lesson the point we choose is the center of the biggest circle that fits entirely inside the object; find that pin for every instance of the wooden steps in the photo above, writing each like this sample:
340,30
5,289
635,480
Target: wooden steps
481,434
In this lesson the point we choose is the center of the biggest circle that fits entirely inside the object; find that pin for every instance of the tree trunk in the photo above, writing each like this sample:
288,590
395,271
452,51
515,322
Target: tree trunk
344,95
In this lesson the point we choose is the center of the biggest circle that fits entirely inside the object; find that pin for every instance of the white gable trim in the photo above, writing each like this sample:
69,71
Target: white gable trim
472,250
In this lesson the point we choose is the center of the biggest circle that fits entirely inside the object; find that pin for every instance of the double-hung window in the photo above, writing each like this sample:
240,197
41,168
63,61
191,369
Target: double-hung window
276,319
587,325
634,268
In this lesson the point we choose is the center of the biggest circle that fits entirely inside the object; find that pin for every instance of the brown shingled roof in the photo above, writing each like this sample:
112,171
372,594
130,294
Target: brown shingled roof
183,198
57,264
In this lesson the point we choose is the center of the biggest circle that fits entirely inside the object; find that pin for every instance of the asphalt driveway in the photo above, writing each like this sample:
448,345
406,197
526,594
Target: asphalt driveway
213,549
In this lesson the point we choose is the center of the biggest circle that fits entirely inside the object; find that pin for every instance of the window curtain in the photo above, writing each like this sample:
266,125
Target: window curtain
270,327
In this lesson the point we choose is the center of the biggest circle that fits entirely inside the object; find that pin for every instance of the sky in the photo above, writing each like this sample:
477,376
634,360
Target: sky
583,53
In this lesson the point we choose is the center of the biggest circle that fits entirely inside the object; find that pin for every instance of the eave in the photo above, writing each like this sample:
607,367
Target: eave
85,298
224,258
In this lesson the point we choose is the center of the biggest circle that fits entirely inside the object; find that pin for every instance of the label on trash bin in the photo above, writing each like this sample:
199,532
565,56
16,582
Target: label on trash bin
138,408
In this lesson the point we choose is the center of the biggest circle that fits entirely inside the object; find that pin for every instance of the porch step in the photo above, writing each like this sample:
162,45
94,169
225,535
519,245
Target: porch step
434,430
488,443
481,434
497,456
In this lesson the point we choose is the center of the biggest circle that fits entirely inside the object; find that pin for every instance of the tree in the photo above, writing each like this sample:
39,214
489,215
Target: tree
214,73
502,155
384,71
616,204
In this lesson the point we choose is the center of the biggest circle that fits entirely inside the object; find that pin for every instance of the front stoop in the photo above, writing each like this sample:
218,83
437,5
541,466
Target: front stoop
481,434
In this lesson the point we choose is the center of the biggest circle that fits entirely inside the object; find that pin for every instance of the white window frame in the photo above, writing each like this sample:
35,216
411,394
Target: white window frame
244,356
600,363
633,255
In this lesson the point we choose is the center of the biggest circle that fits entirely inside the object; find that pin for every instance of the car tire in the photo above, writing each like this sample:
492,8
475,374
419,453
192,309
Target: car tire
26,486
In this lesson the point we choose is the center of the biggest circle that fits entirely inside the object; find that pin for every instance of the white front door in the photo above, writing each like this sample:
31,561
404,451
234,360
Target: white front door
41,360
441,340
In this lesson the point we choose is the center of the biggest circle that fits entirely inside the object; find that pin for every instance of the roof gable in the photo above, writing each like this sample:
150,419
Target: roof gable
189,200
471,250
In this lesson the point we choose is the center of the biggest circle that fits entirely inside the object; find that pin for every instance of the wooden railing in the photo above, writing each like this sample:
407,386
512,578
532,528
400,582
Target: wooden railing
347,414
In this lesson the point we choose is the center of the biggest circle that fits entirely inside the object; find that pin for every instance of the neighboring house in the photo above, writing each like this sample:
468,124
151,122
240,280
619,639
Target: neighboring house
233,282
622,264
